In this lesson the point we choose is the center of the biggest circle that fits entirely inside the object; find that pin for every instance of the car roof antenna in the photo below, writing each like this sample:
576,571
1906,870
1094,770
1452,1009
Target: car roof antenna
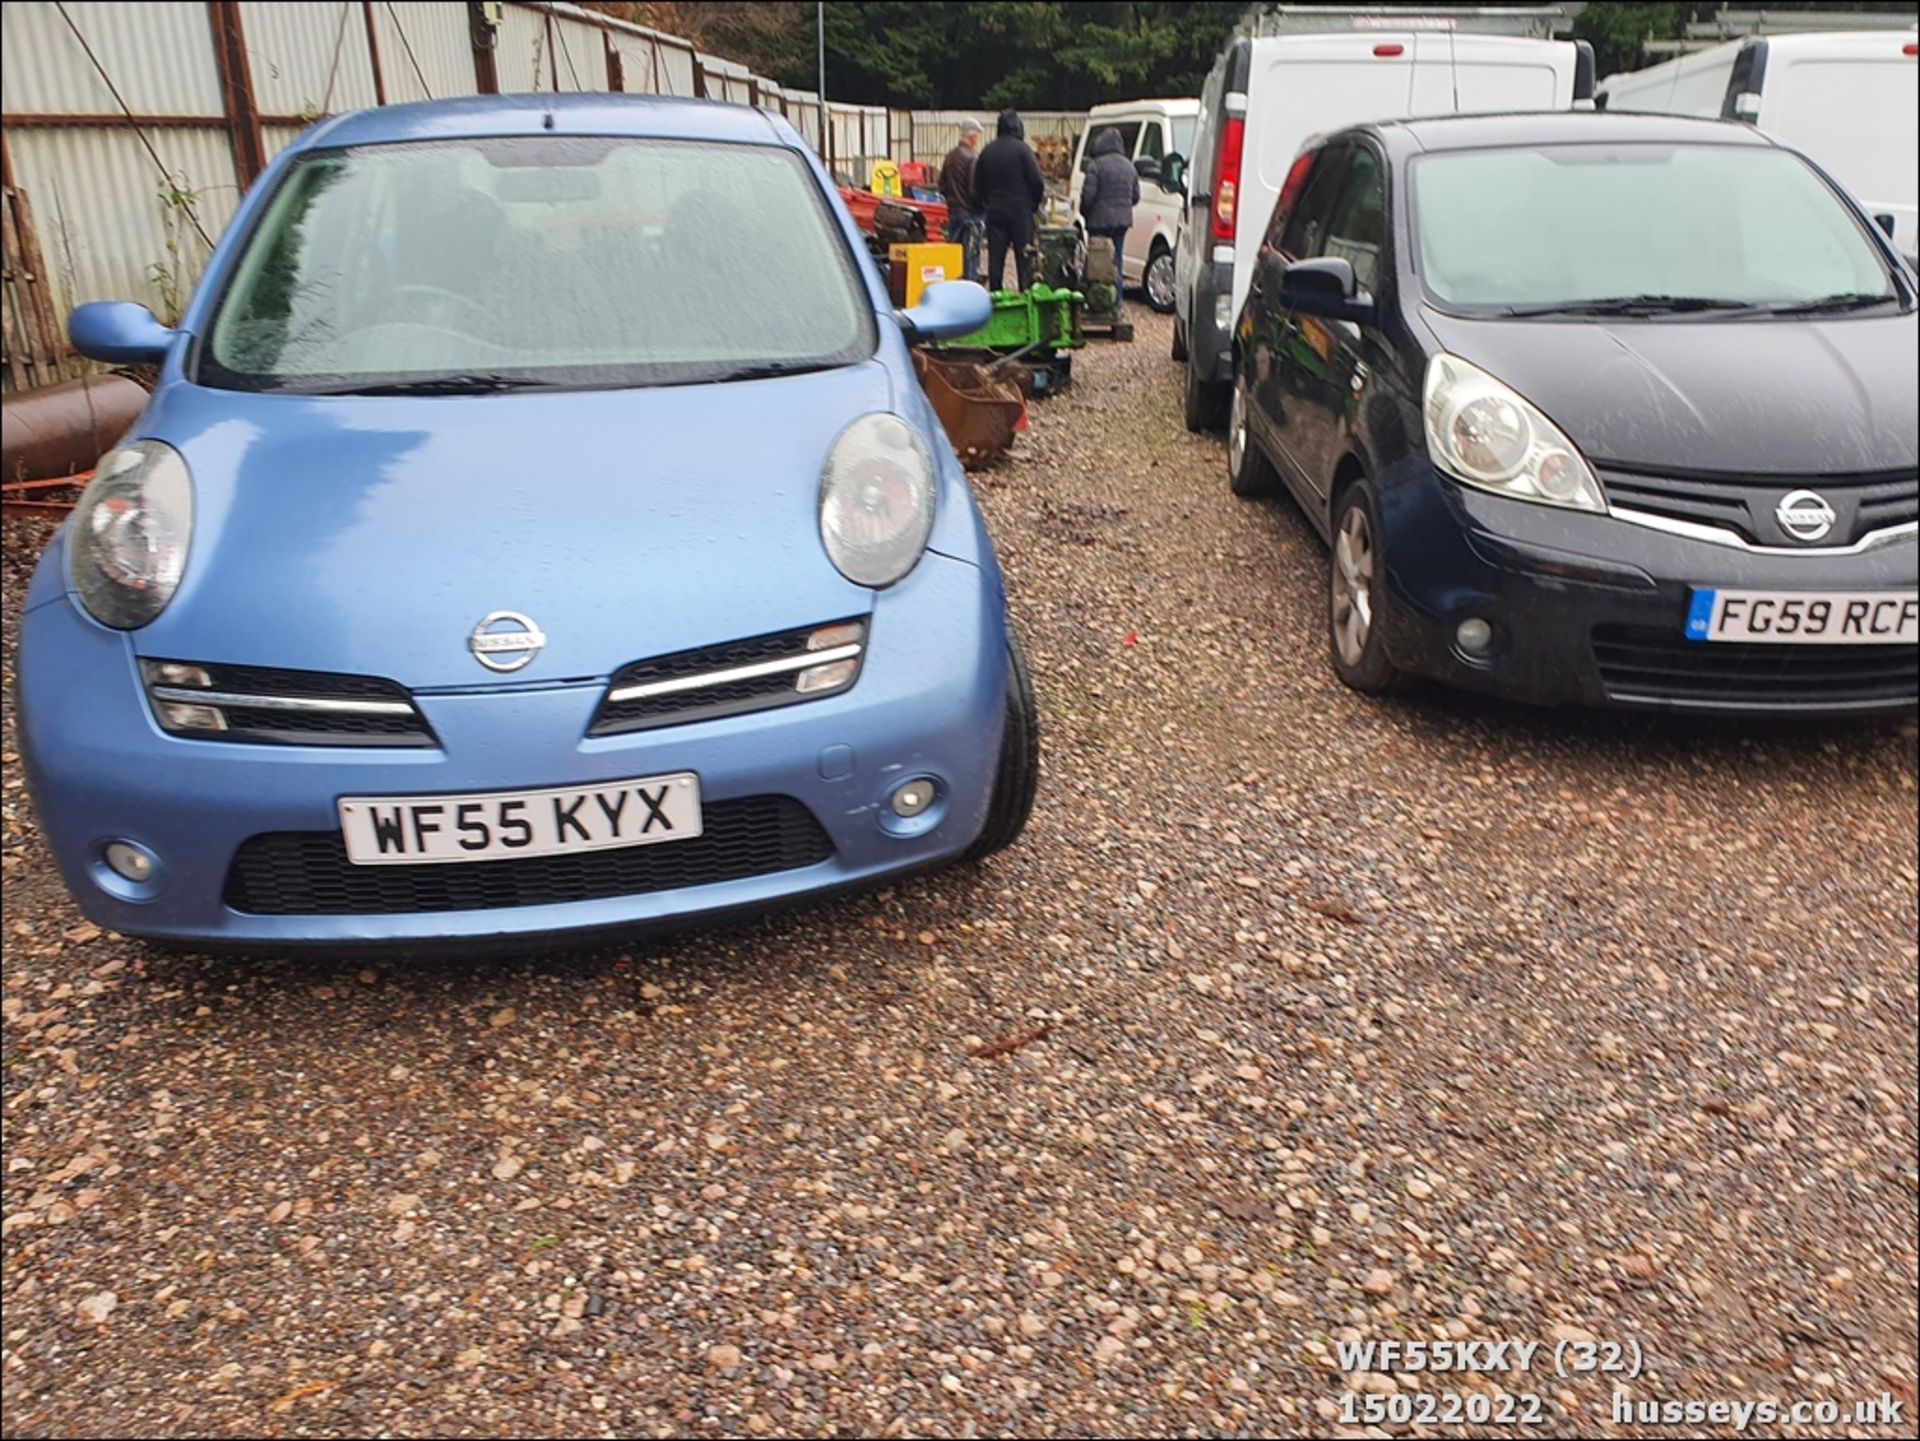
1453,66
548,122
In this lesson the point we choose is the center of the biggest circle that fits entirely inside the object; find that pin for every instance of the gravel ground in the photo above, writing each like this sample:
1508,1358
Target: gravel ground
1421,1019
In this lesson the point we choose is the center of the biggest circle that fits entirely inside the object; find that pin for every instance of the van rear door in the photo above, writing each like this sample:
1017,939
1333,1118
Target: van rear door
1853,106
1486,74
1305,85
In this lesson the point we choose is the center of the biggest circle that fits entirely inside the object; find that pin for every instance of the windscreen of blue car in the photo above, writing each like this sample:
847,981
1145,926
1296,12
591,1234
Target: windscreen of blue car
563,261
1559,225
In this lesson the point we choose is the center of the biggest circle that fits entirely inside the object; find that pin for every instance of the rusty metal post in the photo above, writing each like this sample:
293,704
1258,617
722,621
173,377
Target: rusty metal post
486,67
616,65
553,57
373,53
237,104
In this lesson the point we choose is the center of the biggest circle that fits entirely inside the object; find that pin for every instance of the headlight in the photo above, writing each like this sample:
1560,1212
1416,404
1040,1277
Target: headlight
1488,435
130,533
876,500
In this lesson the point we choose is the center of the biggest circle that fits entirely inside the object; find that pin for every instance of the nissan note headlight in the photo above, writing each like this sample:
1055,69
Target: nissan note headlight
131,527
876,500
1483,432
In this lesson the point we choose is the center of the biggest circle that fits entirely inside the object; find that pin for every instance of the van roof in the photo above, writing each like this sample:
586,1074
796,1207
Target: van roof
1185,105
1550,127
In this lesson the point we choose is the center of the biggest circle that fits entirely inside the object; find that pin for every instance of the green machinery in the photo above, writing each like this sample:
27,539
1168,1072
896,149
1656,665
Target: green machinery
1069,260
1039,328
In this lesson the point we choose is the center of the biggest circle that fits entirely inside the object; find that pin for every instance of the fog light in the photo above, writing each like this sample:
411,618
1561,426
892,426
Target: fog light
830,637
1474,635
831,676
129,862
180,717
913,798
173,672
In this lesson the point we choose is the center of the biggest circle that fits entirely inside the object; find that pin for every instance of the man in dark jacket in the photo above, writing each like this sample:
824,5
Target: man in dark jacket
1008,186
956,188
1108,194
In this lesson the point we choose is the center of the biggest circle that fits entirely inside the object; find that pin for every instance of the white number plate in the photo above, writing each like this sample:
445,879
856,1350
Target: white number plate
1806,617
414,830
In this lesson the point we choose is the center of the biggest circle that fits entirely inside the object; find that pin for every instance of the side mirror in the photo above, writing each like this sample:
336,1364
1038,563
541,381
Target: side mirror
1173,174
119,331
1325,287
948,309
1147,168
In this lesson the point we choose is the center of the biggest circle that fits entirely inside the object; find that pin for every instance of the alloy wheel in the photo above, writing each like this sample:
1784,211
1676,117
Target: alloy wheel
1353,585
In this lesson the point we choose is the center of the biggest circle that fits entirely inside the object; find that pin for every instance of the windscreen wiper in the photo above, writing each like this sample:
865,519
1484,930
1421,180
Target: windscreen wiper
770,369
1631,305
477,384
1832,304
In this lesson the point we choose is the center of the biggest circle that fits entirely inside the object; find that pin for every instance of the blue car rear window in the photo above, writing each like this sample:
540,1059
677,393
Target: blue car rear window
538,261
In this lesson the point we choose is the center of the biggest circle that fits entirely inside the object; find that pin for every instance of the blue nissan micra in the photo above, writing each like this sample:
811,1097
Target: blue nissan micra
537,528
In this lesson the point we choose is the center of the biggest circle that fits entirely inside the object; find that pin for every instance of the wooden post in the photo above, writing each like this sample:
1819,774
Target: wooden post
236,91
373,53
486,67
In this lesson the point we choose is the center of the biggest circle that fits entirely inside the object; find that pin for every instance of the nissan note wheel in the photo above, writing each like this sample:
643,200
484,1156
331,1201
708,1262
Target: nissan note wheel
1017,778
1158,281
1357,594
1249,473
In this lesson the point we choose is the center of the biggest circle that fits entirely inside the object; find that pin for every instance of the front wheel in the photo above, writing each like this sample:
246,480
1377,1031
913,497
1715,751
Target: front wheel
1017,779
1249,473
1158,280
1357,595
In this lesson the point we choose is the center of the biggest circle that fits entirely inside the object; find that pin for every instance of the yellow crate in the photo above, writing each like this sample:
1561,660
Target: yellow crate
915,267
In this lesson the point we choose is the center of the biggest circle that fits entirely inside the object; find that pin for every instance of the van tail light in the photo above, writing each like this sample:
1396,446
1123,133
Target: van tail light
1226,178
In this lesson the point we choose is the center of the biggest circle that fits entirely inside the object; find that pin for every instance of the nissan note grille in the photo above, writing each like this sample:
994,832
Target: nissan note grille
307,873
1863,503
261,705
744,675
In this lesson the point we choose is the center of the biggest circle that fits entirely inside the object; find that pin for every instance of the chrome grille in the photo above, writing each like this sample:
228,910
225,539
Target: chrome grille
1863,502
733,678
264,705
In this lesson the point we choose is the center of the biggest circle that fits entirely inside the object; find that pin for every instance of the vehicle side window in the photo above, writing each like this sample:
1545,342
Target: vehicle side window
1303,231
1153,142
1358,226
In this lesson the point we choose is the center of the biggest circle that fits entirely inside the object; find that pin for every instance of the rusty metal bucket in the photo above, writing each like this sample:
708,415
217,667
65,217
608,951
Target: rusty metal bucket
979,408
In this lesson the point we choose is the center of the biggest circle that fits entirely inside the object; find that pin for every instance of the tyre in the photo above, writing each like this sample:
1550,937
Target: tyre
1179,340
1357,595
1206,402
1249,473
1017,778
1157,281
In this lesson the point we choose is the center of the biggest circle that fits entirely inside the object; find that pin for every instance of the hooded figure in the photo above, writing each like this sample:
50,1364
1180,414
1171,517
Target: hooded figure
1008,186
1112,186
1107,197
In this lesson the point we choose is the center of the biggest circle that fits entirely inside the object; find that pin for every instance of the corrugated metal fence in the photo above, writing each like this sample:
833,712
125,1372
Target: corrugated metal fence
132,127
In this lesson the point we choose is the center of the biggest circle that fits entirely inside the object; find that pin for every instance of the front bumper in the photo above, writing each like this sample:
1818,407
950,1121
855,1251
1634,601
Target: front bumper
931,701
1591,610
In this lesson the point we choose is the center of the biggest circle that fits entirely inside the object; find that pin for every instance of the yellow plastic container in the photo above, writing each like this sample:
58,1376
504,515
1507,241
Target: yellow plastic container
915,267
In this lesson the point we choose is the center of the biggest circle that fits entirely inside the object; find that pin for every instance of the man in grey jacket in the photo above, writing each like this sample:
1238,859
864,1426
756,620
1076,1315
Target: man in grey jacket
1108,194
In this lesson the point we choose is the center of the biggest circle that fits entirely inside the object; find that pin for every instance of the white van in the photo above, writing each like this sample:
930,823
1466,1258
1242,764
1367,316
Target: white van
1158,137
1848,100
1269,94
